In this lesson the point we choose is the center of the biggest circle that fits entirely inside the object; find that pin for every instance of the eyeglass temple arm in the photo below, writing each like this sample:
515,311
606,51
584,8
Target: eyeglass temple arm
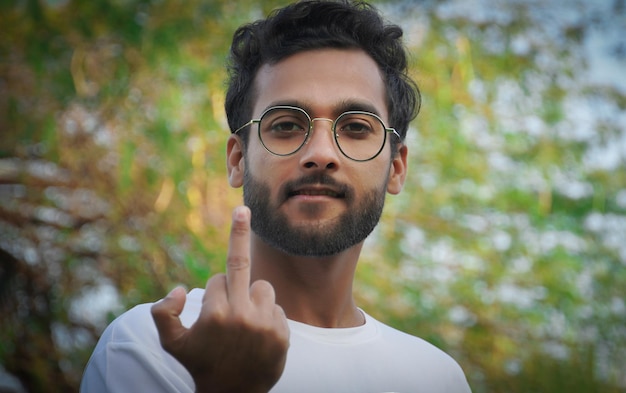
389,130
251,122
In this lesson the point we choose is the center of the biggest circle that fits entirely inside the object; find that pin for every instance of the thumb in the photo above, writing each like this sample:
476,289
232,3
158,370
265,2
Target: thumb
165,314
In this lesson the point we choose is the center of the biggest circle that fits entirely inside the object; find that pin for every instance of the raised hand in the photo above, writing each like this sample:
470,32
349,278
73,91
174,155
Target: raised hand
239,342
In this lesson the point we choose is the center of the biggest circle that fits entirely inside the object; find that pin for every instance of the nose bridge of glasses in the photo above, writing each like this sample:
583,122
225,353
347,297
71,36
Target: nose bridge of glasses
331,121
312,135
312,125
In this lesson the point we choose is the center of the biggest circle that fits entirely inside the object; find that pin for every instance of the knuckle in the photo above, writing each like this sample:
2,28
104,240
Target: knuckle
214,284
239,228
217,321
168,345
241,319
219,312
237,262
159,311
217,317
262,292
156,309
262,287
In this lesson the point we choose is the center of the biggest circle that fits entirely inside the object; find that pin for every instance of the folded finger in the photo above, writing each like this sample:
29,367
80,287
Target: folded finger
166,318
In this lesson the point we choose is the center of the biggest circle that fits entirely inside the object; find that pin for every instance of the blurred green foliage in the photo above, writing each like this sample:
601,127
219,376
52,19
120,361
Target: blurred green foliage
506,247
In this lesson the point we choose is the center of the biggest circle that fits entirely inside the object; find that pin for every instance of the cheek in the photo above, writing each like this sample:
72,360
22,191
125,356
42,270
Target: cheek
375,176
263,169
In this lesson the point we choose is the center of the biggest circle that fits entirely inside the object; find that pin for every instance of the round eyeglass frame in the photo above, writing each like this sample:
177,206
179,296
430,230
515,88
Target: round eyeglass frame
308,132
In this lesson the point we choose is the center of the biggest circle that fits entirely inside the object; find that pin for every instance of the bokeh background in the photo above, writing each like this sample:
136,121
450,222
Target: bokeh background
507,247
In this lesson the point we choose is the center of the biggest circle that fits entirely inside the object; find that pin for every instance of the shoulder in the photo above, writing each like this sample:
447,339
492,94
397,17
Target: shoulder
421,354
394,336
129,356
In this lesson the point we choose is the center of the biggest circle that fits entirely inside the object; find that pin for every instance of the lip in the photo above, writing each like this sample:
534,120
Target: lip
314,192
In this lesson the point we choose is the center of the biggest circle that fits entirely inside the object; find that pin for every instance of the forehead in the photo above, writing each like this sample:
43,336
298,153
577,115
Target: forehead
322,81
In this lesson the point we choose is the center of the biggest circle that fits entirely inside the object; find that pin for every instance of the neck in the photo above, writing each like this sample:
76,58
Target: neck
312,290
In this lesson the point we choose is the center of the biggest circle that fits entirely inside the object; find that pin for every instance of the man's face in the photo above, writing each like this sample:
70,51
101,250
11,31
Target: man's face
317,202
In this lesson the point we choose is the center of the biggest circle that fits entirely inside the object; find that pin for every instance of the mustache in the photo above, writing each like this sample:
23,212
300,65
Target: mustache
315,179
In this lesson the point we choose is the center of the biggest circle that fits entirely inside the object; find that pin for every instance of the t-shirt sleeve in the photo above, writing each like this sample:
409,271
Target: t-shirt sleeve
129,358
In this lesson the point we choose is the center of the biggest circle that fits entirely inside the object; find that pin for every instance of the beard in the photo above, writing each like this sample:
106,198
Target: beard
316,239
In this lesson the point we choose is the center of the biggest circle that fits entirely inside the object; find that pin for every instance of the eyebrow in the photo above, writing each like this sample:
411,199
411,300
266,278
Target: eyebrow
338,109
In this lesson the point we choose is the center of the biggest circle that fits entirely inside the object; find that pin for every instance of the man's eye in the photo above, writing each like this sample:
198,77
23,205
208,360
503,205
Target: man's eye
356,128
287,127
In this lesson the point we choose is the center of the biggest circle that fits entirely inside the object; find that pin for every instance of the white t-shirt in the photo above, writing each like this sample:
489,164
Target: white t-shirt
369,358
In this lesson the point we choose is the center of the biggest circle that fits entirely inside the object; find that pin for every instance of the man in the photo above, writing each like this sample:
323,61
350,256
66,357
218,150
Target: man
314,92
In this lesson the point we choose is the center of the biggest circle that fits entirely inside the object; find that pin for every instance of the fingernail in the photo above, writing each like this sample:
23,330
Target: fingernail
239,213
171,294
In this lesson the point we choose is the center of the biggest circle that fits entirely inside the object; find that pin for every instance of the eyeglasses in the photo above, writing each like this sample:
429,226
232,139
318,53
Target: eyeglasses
283,130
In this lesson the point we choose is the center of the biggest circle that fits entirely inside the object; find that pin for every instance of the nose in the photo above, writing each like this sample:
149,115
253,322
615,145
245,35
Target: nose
320,151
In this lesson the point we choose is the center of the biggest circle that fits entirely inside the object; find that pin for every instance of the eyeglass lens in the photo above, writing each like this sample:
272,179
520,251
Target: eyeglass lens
358,135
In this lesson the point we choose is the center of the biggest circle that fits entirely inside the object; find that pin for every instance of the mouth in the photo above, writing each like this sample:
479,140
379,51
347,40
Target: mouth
316,186
317,191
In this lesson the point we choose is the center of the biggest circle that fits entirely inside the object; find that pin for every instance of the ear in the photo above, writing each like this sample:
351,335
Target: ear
235,162
397,170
